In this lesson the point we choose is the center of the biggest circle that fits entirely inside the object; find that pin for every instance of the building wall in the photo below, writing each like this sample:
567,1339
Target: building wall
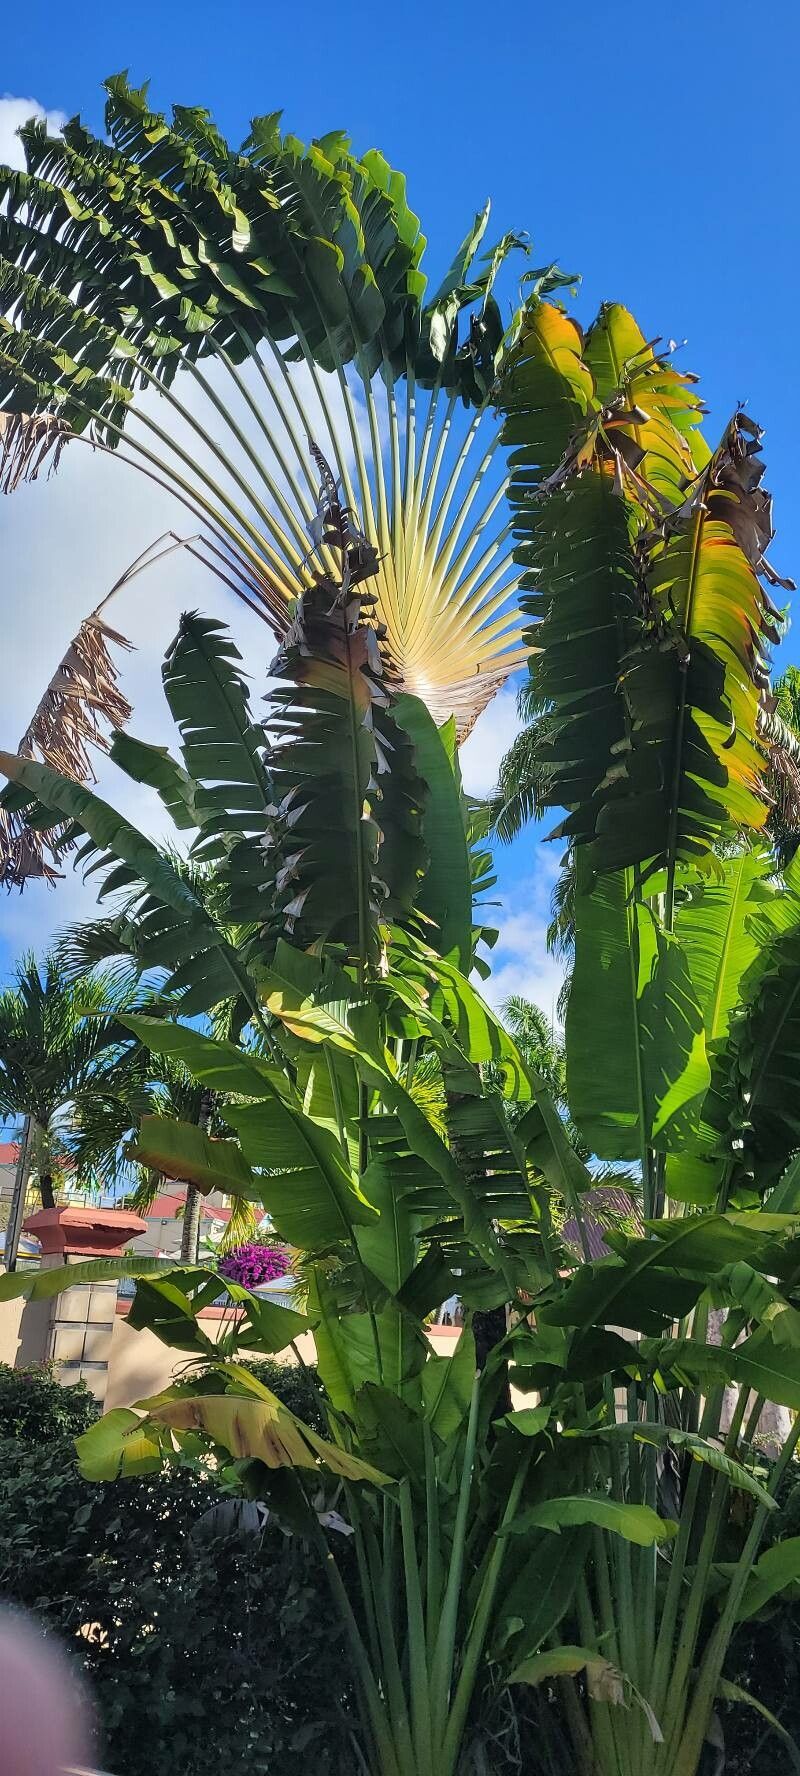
140,1365
24,1332
123,1365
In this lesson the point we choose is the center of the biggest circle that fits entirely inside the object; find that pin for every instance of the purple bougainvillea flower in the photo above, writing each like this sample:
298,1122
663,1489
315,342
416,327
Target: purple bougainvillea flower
252,1265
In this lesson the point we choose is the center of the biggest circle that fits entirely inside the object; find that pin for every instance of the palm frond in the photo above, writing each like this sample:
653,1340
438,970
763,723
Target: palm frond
522,781
241,1226
29,444
103,942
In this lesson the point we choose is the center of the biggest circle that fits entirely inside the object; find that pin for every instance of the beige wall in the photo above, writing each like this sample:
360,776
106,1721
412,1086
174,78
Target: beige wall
24,1332
141,1365
138,1364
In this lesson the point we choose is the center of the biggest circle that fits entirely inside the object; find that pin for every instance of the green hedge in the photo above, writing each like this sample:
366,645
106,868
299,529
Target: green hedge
200,1653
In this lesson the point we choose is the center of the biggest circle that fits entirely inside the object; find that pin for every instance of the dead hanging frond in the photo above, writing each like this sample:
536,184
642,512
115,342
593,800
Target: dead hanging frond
81,701
735,474
80,704
29,444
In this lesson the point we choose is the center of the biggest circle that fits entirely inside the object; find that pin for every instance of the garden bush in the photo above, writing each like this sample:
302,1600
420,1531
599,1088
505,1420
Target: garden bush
765,1661
198,1652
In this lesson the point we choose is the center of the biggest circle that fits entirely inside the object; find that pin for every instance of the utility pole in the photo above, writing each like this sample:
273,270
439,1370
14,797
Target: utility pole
17,1211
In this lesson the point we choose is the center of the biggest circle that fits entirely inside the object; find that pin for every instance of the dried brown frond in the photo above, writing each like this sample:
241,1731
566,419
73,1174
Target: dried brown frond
29,443
80,703
81,699
736,472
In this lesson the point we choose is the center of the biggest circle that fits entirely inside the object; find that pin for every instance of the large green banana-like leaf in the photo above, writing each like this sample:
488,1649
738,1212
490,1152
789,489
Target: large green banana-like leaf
306,1183
762,1068
389,1248
446,893
583,596
314,1024
649,682
170,1306
121,1443
632,1002
223,748
658,1280
154,766
777,1569
344,829
720,938
767,1367
219,1065
253,1424
42,1285
749,1130
693,683
637,1523
262,1429
497,1187
308,1188
699,1448
182,1151
183,243
476,1029
547,391
168,1299
653,407
726,929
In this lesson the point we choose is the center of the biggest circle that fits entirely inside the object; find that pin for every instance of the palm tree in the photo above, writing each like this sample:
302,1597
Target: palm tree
539,1041
117,943
102,1123
62,1051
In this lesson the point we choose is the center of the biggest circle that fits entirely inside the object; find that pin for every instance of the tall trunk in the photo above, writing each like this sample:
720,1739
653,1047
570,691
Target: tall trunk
190,1235
46,1190
16,1213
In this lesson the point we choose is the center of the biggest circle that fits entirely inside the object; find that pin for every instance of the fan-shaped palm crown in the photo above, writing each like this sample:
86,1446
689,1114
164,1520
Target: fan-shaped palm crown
203,311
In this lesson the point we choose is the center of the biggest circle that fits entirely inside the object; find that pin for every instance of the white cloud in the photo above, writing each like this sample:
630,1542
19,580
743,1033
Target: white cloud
13,114
521,962
489,741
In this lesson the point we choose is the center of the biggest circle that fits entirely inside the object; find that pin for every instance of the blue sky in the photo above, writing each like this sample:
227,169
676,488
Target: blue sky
650,149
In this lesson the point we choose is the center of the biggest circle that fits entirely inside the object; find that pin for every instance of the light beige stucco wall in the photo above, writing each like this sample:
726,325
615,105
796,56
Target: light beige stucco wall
24,1332
141,1365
